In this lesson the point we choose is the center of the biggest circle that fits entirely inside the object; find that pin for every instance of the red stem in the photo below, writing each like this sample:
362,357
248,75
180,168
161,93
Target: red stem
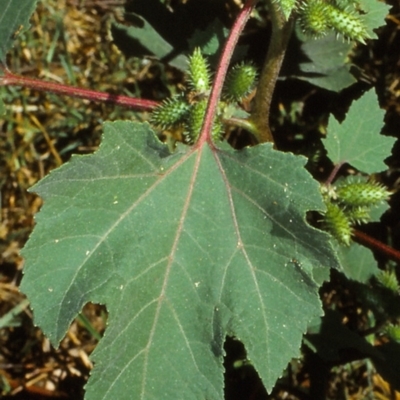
237,28
9,79
375,244
334,172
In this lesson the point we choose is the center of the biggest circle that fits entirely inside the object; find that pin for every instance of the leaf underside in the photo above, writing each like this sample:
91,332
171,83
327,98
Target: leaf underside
183,249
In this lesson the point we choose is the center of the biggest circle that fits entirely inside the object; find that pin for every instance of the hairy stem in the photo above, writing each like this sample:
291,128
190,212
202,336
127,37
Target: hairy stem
281,31
9,79
334,172
238,26
375,244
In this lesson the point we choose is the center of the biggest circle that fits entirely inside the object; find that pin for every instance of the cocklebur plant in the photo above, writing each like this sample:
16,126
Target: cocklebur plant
191,244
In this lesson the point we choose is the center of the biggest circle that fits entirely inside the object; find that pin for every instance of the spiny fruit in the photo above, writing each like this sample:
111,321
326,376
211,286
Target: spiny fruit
362,194
316,17
337,223
195,122
240,81
313,19
358,215
199,74
347,24
389,280
170,112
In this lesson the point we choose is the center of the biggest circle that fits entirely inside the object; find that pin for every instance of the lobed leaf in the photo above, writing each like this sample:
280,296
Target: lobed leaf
327,65
357,140
374,14
184,249
358,262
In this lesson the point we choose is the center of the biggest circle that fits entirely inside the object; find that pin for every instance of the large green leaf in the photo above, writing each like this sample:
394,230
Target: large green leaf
183,249
14,17
357,140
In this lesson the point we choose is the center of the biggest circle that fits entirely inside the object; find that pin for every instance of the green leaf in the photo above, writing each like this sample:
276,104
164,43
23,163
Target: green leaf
327,64
183,249
377,211
166,32
357,262
147,38
14,18
357,140
374,14
209,40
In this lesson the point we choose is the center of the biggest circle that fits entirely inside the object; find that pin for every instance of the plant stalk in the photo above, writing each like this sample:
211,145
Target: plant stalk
376,245
222,68
281,32
9,79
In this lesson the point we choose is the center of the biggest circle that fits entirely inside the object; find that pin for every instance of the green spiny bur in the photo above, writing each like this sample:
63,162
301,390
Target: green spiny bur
358,215
347,24
218,127
316,17
287,7
170,113
389,280
337,223
195,123
362,194
313,18
240,81
198,74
